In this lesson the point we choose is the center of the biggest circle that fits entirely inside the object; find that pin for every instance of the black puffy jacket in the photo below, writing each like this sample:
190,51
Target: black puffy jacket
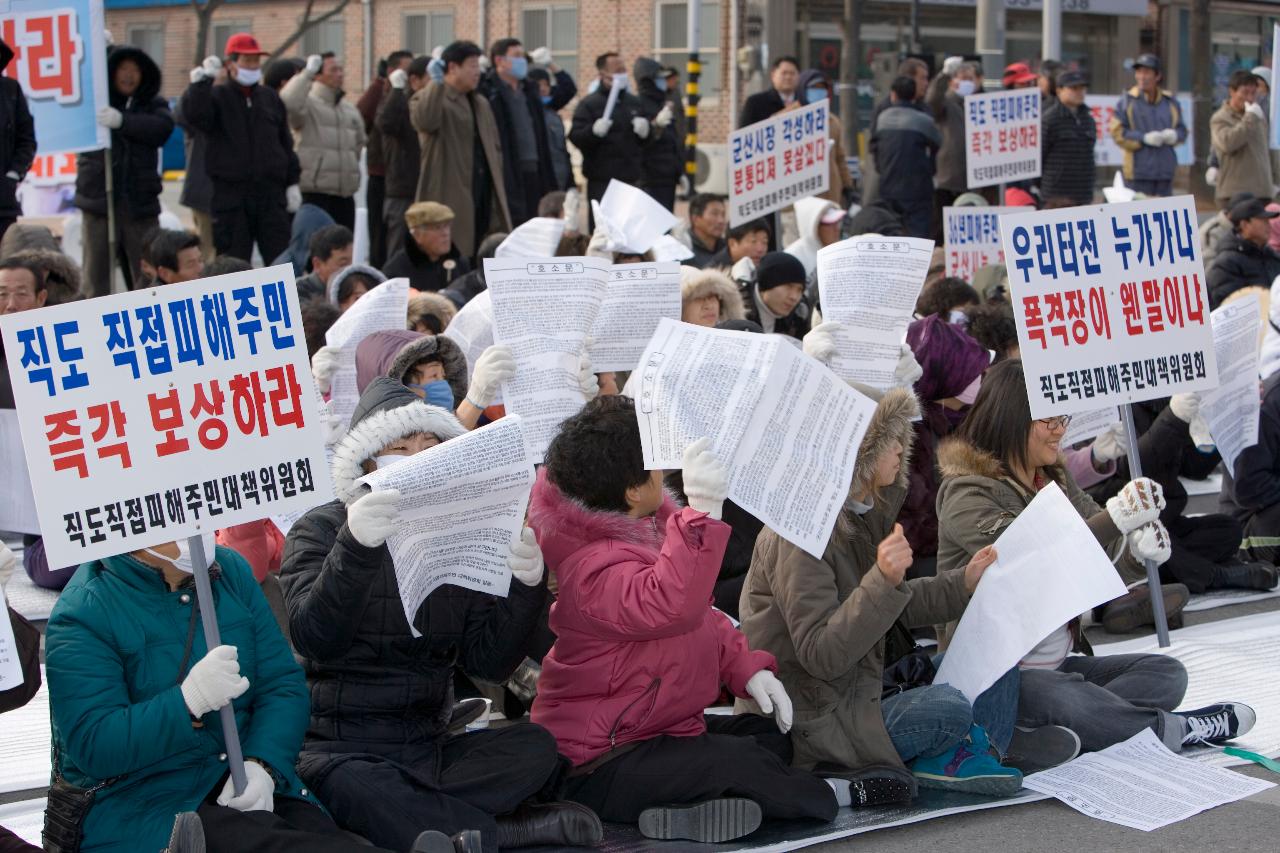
1068,136
1240,263
249,140
135,155
17,137
620,154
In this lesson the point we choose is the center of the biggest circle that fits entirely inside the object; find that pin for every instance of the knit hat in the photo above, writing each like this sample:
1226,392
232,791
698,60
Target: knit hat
427,213
777,268
335,281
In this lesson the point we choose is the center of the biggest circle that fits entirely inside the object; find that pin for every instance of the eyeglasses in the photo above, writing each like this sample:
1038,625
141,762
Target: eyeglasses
1059,422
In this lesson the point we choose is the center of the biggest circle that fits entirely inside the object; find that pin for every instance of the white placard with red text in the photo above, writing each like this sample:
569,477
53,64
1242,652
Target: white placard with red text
971,237
1110,302
153,415
1002,136
776,162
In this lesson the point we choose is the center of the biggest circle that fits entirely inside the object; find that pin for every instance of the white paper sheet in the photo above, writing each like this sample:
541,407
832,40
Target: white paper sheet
1087,426
632,219
10,662
616,87
544,310
1142,785
1049,569
17,504
668,248
787,427
385,307
871,284
1232,409
536,238
472,328
638,297
463,503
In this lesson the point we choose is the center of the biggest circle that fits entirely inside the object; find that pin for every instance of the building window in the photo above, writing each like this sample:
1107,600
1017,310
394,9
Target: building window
148,38
555,27
223,30
326,37
672,47
425,31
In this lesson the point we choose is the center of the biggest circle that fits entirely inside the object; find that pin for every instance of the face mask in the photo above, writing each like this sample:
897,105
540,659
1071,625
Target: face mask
437,393
519,67
661,83
593,85
620,80
546,100
388,461
248,76
183,561
812,96
958,316
965,88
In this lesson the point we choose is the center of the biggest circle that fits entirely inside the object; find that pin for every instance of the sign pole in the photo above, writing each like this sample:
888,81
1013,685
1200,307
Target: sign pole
111,220
1153,571
209,620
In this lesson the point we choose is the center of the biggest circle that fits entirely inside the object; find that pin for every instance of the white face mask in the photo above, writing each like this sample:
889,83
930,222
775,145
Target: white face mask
248,76
388,460
964,88
957,316
183,561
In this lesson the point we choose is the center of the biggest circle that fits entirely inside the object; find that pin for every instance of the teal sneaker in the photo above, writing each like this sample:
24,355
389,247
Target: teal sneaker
970,768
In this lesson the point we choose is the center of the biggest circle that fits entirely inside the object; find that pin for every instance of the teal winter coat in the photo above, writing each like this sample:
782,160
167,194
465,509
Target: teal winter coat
114,645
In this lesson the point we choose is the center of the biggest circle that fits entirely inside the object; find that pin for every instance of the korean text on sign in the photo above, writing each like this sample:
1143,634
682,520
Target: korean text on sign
151,415
1002,136
1110,303
776,162
971,236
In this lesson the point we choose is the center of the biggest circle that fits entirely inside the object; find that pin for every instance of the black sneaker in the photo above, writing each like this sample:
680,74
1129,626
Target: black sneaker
709,821
1034,749
1217,724
869,786
187,835
1237,574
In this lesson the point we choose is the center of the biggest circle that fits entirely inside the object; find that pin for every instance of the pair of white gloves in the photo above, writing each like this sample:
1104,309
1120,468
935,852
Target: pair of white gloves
1136,513
1158,138
497,364
820,343
639,125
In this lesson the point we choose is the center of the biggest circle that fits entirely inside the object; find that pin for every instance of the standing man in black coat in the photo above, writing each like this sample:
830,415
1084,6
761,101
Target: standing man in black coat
1067,137
613,146
140,123
904,142
664,156
784,74
17,141
250,157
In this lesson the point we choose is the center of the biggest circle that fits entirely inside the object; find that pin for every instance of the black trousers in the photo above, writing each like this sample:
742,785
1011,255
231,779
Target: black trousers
10,843
595,192
664,194
740,756
295,826
1197,546
341,207
375,194
247,214
1262,535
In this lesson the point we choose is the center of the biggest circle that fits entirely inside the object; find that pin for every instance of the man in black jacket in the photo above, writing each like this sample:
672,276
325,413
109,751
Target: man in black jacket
904,141
664,156
1067,137
140,123
378,752
17,141
784,74
1244,258
401,155
612,146
250,157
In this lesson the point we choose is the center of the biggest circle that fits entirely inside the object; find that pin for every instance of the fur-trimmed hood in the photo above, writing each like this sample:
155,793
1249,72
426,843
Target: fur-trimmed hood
895,411
392,353
696,283
335,280
431,305
958,458
387,411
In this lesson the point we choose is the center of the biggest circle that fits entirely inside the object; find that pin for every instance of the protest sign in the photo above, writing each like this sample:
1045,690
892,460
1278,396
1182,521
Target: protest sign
1110,304
776,162
158,414
60,60
1002,136
971,238
1105,150
384,308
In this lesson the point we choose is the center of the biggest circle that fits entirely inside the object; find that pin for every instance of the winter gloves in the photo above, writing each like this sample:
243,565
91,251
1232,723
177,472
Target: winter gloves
664,117
1256,111
314,63
706,479
1111,445
601,127
1150,542
820,342
1139,503
206,70
768,692
1185,406
373,518
494,366
292,199
1170,136
398,79
8,562
587,379
541,56
525,560
259,791
110,117
435,69
214,681
640,127
1167,136
323,365
907,370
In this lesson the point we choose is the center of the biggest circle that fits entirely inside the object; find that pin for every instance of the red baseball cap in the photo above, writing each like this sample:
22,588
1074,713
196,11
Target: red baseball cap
1017,74
243,44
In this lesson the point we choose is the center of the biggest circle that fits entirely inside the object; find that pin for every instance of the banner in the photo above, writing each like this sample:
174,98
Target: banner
1110,303
1002,136
150,416
60,60
971,238
1105,150
776,162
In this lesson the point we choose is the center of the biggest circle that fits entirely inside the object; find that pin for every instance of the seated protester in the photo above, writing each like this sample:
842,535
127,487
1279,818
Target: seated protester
329,249
377,750
135,694
1244,258
992,325
350,283
749,240
947,297
430,313
226,264
819,222
1251,492
469,286
639,652
26,649
175,256
774,296
707,220
431,366
992,469
1218,228
429,259
62,279
708,297
840,624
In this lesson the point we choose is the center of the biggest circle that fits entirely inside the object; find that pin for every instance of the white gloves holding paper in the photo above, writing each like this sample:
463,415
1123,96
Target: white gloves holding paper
259,794
1185,406
110,117
587,379
1150,542
820,342
398,78
525,560
373,518
1138,503
907,370
768,692
314,63
1111,444
8,562
206,70
214,681
640,127
323,365
541,56
1255,110
706,479
601,127
495,365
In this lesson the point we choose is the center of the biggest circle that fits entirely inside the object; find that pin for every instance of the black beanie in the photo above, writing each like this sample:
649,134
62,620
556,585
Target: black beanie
778,268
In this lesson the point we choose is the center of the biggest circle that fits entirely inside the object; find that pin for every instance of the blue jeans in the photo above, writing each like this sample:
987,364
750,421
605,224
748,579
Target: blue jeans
930,720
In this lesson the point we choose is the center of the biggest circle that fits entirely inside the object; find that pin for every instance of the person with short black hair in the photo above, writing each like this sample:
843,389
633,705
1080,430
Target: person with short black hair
1244,257
613,147
225,265
904,142
748,240
329,250
707,220
1067,138
175,255
1239,133
557,133
784,79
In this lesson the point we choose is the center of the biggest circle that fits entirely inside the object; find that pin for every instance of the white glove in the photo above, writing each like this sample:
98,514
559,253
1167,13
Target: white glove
210,67
214,681
484,62
768,692
314,63
259,794
1170,136
398,78
1150,542
1185,406
685,185
601,127
292,198
820,342
1200,434
1153,138
743,270
197,74
1255,110
437,51
1138,503
1111,444
323,365
541,55
664,117
8,562
110,117
640,127
373,518
334,427
907,370
1211,176
587,379
435,69
706,479
525,559
494,366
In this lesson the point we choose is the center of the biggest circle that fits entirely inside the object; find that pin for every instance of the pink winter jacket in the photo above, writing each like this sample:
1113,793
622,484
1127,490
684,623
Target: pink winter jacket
639,650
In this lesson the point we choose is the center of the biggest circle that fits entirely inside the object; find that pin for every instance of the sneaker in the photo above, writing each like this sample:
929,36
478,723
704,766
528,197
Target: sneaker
709,821
1132,610
969,768
1217,724
1237,574
1034,749
187,835
868,786
465,712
